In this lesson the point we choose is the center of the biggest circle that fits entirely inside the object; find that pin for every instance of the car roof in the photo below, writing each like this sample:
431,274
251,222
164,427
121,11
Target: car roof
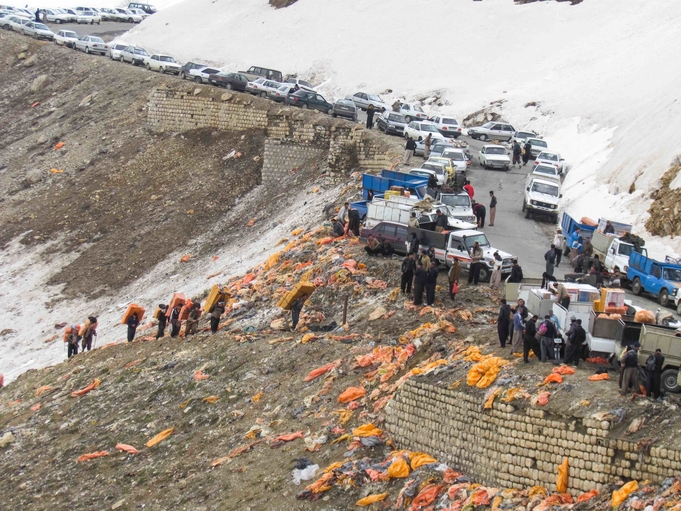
493,145
547,152
468,232
535,138
545,181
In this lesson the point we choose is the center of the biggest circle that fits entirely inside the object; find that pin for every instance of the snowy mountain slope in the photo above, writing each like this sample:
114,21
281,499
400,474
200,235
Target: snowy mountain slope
602,72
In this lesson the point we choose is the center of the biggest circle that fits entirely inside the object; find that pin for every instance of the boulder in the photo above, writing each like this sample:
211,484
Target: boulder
39,83
34,176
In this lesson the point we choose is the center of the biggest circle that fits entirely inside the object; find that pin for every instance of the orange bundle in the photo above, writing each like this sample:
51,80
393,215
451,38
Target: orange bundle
127,448
553,378
584,497
288,437
95,383
351,393
426,496
316,373
563,369
598,377
92,456
160,437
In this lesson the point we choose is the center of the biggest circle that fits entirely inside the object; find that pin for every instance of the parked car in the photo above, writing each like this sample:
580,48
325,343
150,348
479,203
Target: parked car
255,72
391,122
115,51
425,172
362,100
448,164
128,16
457,157
494,156
71,13
163,64
109,14
413,112
134,55
231,81
393,232
522,136
201,74
185,71
421,145
419,130
439,168
538,145
492,131
148,8
261,86
541,196
344,108
302,84
448,126
139,12
65,38
307,99
279,94
91,44
85,17
544,171
55,16
12,22
549,158
38,31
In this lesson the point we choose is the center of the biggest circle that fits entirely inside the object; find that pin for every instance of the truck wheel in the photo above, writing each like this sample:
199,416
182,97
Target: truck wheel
484,274
678,308
524,206
670,381
527,213
664,298
636,287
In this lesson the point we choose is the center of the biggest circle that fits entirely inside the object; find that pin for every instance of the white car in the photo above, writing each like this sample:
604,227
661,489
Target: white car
134,55
522,136
55,16
91,44
85,17
363,100
492,131
38,31
413,112
262,87
543,171
302,84
65,38
538,145
438,168
494,156
115,50
458,158
549,158
11,22
139,12
128,16
279,94
201,74
541,196
109,14
71,13
448,126
163,64
419,130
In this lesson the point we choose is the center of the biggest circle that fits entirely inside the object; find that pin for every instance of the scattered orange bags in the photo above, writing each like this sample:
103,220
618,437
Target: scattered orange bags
419,459
324,241
619,496
59,145
553,378
562,479
321,484
483,374
185,258
584,497
597,360
399,469
426,496
95,383
127,448
564,370
198,375
160,437
367,501
316,373
367,430
598,377
210,399
289,437
41,390
351,393
92,456
541,399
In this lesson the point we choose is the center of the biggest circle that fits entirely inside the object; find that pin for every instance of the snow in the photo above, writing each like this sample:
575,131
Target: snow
603,73
47,4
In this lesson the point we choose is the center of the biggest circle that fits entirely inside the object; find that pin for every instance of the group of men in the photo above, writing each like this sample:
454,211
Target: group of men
346,221
629,372
420,270
80,336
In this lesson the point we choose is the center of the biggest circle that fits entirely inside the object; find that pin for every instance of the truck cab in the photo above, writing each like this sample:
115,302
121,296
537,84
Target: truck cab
460,205
654,277
541,197
618,254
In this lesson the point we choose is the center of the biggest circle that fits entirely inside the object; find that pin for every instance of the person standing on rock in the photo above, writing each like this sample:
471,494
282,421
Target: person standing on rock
550,258
296,308
518,330
408,267
409,149
495,279
216,311
558,242
517,150
133,323
162,310
431,283
492,208
420,279
73,339
527,154
474,269
370,117
175,321
426,146
454,276
503,322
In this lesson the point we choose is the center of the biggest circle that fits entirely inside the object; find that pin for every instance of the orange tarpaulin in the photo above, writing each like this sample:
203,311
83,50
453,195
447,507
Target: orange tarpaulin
619,496
316,373
160,437
562,479
584,497
288,437
597,377
541,399
92,456
367,501
420,458
367,430
426,496
564,370
597,360
41,390
351,393
399,469
127,448
95,383
198,375
553,378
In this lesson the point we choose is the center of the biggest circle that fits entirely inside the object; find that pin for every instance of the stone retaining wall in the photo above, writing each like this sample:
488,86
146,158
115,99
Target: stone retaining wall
348,147
280,157
508,447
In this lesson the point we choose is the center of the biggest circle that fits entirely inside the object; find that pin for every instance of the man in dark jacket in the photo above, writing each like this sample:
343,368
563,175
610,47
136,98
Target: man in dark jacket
161,316
528,153
655,375
73,339
370,116
629,372
175,321
409,149
517,150
420,279
492,208
296,307
338,229
387,248
547,340
133,323
530,339
414,244
432,183
216,311
516,272
431,283
408,267
503,322
550,258
576,337
353,221
441,223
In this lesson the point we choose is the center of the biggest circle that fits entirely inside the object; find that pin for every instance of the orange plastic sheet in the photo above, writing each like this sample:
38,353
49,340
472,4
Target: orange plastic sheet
288,437
491,395
419,459
399,469
598,377
127,448
351,393
553,378
564,370
160,437
95,383
541,399
619,496
597,360
371,499
484,373
367,430
41,390
584,497
316,373
426,496
199,375
92,456
562,479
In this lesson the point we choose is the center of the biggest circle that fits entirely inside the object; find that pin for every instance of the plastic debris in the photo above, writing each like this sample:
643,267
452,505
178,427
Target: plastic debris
552,378
199,375
78,393
351,393
371,499
598,377
564,370
91,456
367,430
562,479
419,459
619,496
304,474
316,373
127,448
59,145
160,437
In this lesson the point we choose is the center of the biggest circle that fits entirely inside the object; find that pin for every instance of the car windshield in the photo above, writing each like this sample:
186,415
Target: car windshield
343,102
167,59
543,169
40,26
88,13
548,156
480,238
463,201
672,274
538,143
447,120
625,250
418,108
431,166
119,47
138,51
71,34
374,98
421,173
545,188
495,150
96,39
397,118
454,155
422,191
488,125
428,127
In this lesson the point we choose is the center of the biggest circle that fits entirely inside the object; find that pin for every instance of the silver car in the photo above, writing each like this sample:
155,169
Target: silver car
492,131
65,38
363,100
91,44
262,87
279,94
115,50
391,122
134,55
38,30
344,108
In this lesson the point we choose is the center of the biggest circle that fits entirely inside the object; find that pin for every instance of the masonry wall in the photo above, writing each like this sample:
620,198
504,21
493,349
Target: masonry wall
282,158
348,147
509,447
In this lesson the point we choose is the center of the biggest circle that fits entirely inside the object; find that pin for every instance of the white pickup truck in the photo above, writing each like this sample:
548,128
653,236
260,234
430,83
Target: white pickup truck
541,197
399,210
459,244
612,250
460,206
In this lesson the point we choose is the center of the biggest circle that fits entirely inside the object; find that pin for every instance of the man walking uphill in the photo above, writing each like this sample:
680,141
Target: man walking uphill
133,323
296,307
216,311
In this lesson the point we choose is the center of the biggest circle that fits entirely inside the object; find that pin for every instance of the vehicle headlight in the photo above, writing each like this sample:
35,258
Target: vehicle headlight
626,269
391,125
675,290
553,206
533,202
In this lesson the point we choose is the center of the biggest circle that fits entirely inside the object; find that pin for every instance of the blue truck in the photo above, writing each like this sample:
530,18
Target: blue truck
376,186
569,225
654,277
